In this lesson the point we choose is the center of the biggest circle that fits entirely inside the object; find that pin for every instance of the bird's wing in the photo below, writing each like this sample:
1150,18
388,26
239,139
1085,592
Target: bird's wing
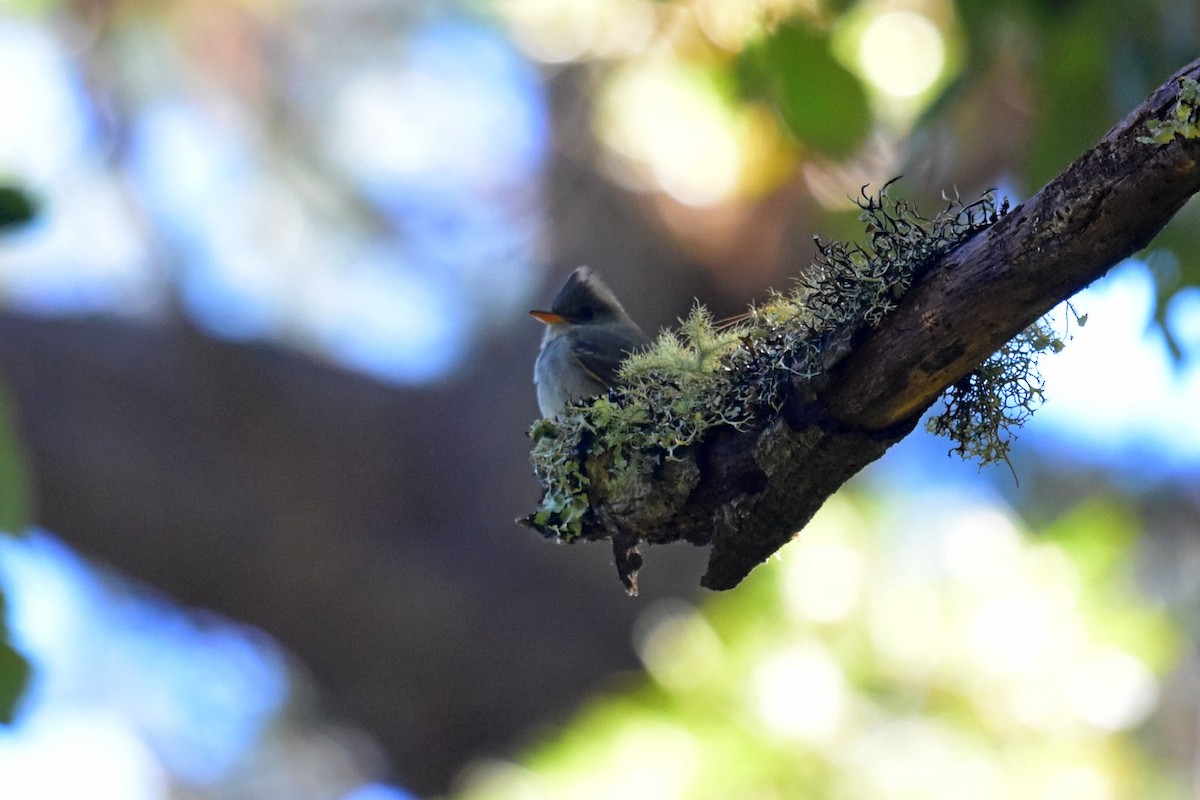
602,354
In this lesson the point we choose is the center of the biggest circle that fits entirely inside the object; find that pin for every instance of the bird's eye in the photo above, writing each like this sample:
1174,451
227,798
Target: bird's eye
587,314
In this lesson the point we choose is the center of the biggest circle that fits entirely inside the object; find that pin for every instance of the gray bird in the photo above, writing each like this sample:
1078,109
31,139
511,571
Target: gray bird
588,335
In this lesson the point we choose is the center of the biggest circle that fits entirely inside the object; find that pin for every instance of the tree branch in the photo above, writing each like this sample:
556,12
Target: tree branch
1104,207
746,492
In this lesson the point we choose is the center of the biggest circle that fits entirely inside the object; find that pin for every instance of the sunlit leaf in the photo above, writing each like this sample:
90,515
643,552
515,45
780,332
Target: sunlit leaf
817,100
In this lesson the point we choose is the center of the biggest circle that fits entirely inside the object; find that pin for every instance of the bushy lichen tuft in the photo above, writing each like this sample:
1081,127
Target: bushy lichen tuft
1183,120
707,376
982,412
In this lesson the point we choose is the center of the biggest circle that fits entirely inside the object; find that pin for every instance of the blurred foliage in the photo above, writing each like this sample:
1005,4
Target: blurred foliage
963,660
14,672
793,70
962,95
16,207
726,105
14,478
14,516
962,657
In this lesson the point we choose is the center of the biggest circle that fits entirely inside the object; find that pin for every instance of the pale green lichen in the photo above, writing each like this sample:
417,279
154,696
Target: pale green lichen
707,376
982,412
1183,119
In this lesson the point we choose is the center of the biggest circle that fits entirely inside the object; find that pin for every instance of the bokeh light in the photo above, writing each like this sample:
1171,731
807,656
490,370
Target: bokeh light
173,694
261,244
902,53
671,627
369,191
980,662
674,131
800,692
569,30
905,53
40,82
108,761
826,584
1148,401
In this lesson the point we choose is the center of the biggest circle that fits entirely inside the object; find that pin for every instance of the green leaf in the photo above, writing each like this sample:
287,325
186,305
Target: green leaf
817,100
14,479
14,671
14,677
1075,102
16,207
1174,261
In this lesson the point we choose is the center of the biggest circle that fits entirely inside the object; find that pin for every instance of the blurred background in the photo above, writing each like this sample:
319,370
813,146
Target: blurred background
265,377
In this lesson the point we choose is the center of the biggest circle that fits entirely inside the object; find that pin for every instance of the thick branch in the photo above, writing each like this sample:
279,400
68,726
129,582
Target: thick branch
1103,208
750,491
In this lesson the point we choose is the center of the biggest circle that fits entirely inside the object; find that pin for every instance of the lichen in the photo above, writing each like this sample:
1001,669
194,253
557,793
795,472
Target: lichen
982,412
1183,120
707,375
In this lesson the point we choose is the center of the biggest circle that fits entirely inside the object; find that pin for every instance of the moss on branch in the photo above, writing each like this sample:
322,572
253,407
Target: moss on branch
778,412
635,447
1183,120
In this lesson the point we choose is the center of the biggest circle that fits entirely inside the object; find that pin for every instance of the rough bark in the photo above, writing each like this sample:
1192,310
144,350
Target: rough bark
757,488
1104,207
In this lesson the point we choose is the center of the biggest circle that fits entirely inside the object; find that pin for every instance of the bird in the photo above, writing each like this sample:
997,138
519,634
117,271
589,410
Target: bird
588,335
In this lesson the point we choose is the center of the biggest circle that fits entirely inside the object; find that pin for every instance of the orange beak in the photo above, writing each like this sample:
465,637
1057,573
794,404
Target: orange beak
548,317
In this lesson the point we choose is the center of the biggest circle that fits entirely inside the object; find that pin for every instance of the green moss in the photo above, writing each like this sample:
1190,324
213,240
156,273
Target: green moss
707,376
1183,120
